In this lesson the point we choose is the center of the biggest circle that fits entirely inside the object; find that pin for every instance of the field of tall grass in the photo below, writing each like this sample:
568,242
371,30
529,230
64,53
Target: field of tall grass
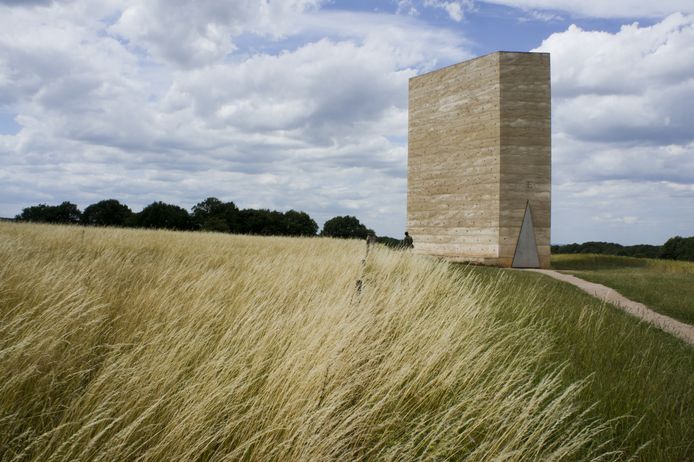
666,286
153,345
640,379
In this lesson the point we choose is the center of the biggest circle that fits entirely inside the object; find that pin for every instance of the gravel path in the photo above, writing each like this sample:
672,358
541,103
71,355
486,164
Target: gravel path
666,323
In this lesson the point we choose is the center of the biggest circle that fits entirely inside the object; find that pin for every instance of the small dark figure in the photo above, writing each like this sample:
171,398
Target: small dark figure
408,243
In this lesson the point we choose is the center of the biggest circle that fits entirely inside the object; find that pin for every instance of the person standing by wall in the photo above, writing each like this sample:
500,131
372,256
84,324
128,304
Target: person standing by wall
408,243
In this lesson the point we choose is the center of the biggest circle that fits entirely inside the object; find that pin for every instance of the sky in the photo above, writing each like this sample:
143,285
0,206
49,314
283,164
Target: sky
302,104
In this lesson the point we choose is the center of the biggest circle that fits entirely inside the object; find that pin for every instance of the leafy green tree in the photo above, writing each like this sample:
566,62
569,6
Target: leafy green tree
67,212
345,227
108,212
679,248
216,224
299,224
641,251
35,213
214,215
207,208
263,222
610,248
164,216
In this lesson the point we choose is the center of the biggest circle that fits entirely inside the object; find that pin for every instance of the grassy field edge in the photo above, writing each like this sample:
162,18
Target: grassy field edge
665,286
640,378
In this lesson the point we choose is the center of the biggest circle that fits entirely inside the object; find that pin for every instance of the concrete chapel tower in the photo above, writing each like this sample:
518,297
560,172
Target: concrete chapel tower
479,161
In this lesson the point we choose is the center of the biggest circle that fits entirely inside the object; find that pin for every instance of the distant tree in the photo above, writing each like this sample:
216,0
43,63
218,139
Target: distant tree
389,241
610,248
641,251
207,208
164,216
679,248
214,215
108,212
345,227
217,224
35,213
299,224
67,212
262,221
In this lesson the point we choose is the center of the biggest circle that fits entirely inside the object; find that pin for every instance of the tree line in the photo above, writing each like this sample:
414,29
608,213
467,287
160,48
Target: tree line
214,215
675,248
211,214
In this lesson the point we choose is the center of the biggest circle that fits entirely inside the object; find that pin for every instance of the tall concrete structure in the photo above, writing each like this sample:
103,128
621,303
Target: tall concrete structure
479,161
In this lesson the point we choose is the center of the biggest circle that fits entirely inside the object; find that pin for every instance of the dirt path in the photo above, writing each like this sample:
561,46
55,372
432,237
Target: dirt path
666,323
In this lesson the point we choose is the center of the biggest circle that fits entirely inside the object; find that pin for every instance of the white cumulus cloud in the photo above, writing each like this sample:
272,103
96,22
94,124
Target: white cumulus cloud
605,8
147,101
455,8
189,33
622,133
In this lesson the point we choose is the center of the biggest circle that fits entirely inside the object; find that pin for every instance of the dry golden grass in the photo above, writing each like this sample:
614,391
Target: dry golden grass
153,345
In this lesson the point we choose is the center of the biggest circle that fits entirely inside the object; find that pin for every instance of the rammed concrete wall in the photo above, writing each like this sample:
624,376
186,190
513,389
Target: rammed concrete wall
479,151
526,153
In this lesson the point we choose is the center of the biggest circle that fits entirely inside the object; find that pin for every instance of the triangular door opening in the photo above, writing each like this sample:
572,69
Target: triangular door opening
526,248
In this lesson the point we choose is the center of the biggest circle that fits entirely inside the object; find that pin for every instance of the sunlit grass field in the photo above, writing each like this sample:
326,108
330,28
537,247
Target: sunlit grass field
152,345
666,286
641,378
